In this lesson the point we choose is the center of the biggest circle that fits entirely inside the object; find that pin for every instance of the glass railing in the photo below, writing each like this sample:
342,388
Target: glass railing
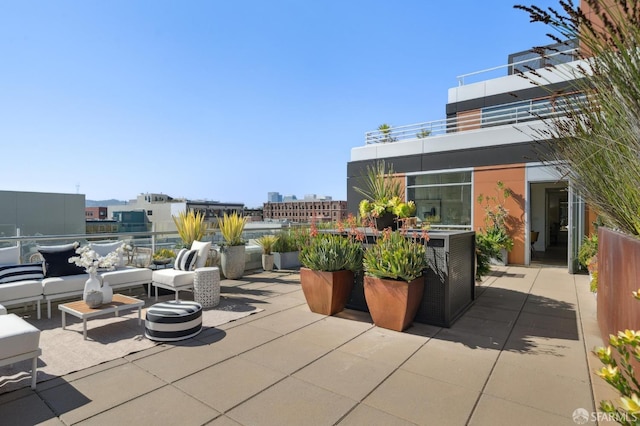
142,244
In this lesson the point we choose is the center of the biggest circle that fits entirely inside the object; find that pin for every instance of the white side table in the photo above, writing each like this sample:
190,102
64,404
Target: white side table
206,286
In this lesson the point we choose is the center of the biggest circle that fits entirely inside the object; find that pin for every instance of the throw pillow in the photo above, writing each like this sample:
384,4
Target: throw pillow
27,271
203,252
56,261
103,249
186,260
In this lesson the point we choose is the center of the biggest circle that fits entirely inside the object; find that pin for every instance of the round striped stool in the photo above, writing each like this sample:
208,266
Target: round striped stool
173,320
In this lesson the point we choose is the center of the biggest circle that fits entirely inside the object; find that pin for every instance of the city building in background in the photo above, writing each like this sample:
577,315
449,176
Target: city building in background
41,213
304,211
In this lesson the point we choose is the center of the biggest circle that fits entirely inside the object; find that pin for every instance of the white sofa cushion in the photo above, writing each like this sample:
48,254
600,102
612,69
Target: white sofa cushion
203,252
174,278
65,284
9,255
20,290
17,336
129,275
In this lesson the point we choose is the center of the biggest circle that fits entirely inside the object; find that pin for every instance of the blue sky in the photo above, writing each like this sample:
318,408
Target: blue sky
227,100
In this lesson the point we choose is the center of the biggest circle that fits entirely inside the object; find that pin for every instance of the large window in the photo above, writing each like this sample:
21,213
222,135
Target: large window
443,199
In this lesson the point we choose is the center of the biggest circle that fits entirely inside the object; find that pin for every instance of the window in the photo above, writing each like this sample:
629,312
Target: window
149,212
443,199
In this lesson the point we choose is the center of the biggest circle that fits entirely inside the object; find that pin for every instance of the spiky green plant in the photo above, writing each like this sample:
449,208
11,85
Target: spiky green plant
395,256
231,227
380,184
330,253
595,142
191,226
267,242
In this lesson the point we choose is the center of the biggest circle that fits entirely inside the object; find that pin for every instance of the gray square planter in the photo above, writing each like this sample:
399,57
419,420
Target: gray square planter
287,260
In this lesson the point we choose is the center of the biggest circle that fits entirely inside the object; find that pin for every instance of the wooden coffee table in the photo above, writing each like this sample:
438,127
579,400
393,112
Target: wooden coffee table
81,310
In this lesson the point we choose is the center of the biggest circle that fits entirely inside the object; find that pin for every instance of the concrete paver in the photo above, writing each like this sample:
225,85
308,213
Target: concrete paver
519,355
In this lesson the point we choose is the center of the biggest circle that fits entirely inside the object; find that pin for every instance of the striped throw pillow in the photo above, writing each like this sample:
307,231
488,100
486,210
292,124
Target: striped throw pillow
186,260
27,271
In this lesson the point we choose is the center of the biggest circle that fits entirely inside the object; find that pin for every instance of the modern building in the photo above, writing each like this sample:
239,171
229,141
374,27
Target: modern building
490,135
96,213
159,210
274,197
41,213
304,211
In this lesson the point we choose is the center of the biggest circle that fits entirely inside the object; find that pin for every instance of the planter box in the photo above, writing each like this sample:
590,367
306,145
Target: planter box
449,286
287,260
618,276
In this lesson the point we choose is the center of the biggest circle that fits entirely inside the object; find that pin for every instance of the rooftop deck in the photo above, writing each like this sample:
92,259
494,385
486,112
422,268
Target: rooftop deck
521,354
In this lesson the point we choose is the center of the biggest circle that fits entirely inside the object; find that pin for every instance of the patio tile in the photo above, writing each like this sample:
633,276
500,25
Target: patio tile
471,339
80,374
99,392
345,374
548,326
241,339
284,288
225,385
492,411
423,400
554,356
293,402
223,421
27,410
496,314
284,322
331,332
166,405
498,330
182,361
281,302
365,415
539,389
453,363
386,346
286,354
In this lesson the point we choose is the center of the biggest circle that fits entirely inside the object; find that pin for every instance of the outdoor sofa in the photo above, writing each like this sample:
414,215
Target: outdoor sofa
55,278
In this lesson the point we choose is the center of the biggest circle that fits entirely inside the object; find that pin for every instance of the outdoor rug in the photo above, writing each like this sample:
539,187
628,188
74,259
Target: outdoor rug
108,338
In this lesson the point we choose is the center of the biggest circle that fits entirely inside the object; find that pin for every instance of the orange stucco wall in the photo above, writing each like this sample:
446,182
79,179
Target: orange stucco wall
513,177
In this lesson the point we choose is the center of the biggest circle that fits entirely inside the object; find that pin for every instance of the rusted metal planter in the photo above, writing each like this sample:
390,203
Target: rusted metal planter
618,277
393,304
326,292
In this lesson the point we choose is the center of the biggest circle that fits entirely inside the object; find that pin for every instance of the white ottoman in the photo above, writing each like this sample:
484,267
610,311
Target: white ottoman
19,340
173,320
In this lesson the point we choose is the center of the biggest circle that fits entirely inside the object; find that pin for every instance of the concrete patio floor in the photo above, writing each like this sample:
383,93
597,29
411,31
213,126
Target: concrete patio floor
520,355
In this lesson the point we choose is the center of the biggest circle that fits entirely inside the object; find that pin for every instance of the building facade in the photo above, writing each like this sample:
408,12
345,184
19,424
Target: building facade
41,213
96,213
159,210
491,135
304,211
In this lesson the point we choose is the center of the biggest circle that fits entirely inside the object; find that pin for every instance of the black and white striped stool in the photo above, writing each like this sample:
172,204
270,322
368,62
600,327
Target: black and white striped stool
173,320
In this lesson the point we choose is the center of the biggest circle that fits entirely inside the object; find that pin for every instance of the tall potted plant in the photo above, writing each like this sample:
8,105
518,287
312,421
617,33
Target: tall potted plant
232,258
267,242
191,226
384,194
394,280
327,276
